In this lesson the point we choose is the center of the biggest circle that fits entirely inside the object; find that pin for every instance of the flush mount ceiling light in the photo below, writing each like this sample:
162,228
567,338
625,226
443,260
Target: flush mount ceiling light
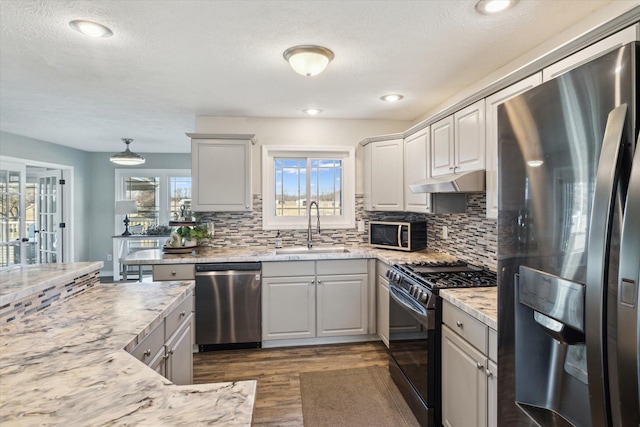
488,7
535,163
127,158
308,60
391,98
91,29
312,111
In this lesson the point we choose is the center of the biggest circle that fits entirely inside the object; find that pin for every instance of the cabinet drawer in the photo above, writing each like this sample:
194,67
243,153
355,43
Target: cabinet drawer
469,328
342,266
177,316
150,345
167,272
288,268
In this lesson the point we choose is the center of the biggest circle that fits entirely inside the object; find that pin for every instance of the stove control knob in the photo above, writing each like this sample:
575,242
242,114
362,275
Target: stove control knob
388,274
423,297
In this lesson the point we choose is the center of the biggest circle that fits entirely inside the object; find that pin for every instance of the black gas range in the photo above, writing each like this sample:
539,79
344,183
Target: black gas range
415,325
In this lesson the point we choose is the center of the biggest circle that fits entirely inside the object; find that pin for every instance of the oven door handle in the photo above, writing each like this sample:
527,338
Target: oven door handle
418,311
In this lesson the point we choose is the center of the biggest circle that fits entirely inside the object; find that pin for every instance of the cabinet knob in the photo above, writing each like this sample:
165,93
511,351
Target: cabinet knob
171,351
147,353
479,365
459,324
246,206
489,373
182,313
173,273
451,168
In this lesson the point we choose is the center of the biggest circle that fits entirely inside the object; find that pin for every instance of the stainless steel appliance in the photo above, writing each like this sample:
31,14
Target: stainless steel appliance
402,236
569,248
228,305
415,327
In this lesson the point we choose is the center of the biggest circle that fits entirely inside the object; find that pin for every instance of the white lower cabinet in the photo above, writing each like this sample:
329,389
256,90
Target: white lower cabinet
310,299
382,303
469,376
167,349
288,307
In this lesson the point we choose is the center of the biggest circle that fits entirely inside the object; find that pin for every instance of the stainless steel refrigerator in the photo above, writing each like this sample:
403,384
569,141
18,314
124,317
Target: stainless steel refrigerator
569,248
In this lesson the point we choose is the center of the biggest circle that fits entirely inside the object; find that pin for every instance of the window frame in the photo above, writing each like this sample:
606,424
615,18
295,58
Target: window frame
272,222
164,202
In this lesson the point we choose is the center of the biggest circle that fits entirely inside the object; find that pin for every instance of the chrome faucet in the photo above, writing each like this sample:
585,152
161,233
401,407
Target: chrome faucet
309,236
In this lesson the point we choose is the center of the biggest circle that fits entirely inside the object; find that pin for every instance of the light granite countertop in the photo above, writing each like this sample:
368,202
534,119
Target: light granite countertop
207,255
66,365
481,303
21,281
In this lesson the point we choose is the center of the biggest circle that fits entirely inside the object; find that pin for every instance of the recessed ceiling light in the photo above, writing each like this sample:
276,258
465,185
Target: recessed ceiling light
91,29
308,60
535,163
488,7
312,111
391,98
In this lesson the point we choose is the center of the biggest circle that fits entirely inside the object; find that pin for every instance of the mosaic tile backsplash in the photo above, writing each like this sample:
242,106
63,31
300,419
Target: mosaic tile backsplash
472,237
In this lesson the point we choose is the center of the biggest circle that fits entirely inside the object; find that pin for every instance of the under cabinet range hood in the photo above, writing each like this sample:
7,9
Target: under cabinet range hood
467,182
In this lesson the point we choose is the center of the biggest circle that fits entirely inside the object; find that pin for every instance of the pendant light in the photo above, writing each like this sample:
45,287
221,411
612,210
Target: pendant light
127,158
308,60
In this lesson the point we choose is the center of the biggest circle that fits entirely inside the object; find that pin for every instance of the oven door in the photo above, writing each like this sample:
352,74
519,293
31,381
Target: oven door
412,349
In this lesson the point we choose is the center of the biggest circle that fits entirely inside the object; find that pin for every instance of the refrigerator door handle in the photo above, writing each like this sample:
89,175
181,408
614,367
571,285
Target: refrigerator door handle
628,320
607,176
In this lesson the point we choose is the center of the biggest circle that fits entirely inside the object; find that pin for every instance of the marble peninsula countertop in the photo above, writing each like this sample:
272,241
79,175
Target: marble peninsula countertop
481,303
67,365
208,255
17,282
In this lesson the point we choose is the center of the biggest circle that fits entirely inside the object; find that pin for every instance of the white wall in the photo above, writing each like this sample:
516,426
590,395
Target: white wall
302,132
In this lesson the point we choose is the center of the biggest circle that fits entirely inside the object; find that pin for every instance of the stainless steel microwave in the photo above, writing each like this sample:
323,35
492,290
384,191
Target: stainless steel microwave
402,236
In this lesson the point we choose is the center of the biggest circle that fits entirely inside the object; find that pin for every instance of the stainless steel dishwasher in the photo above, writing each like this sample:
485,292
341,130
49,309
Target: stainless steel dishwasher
228,306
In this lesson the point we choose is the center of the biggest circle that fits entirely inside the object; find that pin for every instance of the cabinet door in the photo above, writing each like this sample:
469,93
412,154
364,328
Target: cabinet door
158,363
342,305
492,394
221,175
288,307
180,354
469,136
383,309
442,160
367,176
592,52
464,382
387,176
492,103
416,168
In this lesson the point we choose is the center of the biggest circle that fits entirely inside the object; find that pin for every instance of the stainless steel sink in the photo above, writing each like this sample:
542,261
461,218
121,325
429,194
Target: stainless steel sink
298,250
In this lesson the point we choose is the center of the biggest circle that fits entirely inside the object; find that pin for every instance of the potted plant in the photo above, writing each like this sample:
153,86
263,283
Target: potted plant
193,236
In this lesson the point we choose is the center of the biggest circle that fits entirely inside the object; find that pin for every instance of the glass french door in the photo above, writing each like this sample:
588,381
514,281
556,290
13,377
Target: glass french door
48,227
13,237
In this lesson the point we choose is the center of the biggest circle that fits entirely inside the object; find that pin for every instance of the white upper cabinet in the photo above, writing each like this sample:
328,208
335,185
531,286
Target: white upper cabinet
221,172
384,172
416,168
592,52
492,103
458,141
442,161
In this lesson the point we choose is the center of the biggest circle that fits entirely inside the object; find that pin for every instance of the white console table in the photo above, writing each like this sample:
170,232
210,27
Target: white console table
122,246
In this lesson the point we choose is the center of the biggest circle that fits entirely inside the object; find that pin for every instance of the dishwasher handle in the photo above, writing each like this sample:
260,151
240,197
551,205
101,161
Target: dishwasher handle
229,266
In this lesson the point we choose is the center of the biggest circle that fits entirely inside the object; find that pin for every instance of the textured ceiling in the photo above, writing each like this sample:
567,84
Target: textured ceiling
169,61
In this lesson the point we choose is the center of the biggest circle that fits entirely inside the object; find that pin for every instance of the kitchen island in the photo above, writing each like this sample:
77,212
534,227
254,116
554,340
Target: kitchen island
69,365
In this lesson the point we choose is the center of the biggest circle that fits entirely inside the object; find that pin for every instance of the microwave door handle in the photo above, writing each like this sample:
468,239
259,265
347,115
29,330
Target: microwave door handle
629,276
399,236
596,287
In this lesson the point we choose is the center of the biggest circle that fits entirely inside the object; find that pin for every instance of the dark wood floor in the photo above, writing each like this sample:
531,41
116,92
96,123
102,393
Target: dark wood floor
277,371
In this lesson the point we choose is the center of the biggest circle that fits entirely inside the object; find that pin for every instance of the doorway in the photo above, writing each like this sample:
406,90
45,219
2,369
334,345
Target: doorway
35,200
